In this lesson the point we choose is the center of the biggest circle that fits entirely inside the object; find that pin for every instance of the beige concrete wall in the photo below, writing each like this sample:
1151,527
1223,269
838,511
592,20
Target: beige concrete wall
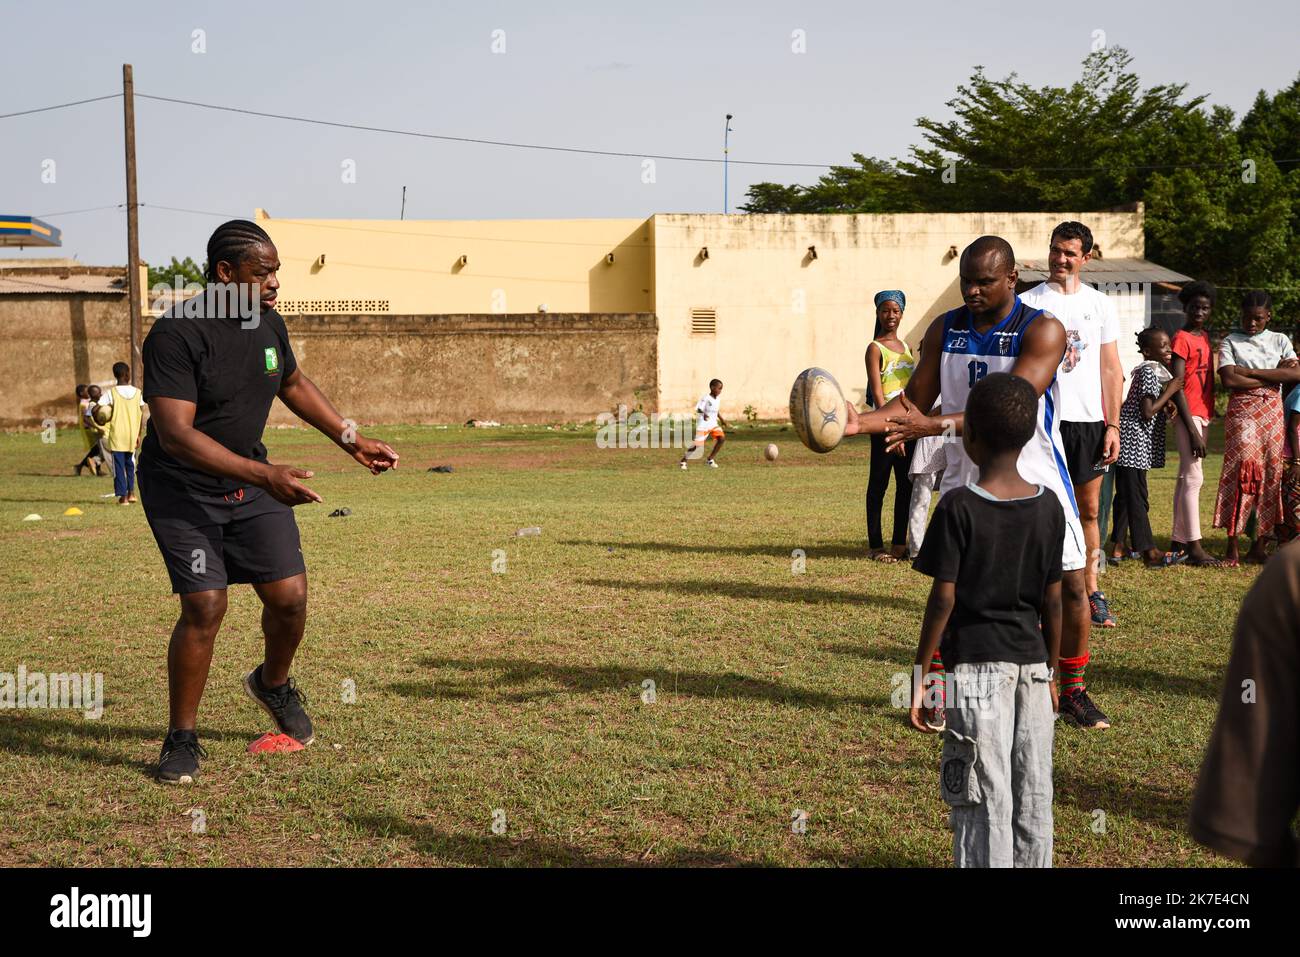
411,267
386,369
529,368
52,343
780,311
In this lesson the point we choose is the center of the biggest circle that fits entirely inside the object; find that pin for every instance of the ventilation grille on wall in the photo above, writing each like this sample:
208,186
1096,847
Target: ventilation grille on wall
321,306
704,322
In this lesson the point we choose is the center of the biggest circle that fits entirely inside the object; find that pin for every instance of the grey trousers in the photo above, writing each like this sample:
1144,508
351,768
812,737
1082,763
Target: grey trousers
996,769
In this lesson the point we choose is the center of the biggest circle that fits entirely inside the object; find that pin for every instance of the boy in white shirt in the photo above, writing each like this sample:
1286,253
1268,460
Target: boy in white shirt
708,422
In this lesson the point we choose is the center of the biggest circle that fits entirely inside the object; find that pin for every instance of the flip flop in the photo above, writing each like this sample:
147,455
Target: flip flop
887,559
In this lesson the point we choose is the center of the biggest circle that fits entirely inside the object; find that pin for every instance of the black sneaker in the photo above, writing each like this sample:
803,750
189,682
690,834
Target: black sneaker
179,761
283,704
1077,707
1100,609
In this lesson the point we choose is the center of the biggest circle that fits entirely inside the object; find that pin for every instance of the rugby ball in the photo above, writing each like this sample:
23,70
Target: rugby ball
818,410
102,414
770,453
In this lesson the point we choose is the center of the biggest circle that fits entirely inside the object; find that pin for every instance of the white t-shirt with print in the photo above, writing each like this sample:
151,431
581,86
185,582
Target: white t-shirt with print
1090,321
706,414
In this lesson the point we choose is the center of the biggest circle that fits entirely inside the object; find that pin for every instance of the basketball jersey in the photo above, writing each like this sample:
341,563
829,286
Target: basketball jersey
969,356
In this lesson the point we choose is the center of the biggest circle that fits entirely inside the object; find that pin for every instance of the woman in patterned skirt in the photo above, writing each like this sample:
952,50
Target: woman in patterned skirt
1253,364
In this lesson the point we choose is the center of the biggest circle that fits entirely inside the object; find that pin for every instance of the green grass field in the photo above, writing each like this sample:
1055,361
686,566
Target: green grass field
521,691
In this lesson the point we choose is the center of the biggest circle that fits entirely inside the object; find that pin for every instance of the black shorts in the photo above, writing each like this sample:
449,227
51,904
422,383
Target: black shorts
209,542
1082,442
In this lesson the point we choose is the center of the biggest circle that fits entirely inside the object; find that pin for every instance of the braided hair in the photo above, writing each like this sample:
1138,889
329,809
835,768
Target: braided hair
1147,336
231,242
1255,299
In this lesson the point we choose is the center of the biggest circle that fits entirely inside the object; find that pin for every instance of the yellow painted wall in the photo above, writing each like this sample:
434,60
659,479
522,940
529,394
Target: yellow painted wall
410,267
780,311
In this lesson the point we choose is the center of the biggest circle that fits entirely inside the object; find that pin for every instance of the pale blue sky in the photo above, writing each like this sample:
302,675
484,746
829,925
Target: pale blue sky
638,77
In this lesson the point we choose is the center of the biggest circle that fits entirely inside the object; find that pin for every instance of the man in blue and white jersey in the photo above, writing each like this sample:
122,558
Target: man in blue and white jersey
994,332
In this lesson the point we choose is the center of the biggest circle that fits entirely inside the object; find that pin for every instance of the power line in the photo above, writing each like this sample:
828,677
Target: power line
892,167
474,140
74,212
59,106
624,154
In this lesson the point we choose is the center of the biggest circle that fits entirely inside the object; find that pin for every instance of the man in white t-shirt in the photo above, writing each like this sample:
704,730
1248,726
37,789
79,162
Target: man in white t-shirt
708,422
1091,385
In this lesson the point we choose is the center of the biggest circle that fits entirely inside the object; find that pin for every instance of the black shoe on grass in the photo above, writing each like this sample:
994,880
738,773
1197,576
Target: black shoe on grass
1077,707
179,761
284,704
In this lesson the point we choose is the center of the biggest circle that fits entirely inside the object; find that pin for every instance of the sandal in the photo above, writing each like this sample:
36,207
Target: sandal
1167,560
885,558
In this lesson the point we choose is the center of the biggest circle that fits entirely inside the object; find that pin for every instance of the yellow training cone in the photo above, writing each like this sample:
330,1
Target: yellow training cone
73,510
32,518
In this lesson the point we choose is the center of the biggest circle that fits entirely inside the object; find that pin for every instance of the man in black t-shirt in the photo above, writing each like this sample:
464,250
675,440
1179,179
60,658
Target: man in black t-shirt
220,512
994,551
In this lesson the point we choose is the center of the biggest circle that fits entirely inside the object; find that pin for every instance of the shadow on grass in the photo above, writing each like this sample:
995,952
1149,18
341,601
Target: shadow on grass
774,551
506,851
1105,674
803,595
37,735
1134,799
601,679
1101,675
891,654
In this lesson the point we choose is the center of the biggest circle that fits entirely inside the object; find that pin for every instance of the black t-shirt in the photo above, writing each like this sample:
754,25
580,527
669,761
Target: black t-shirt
1002,555
230,373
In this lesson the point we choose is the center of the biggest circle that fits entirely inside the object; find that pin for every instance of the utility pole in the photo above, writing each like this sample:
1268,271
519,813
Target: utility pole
132,224
726,134
403,202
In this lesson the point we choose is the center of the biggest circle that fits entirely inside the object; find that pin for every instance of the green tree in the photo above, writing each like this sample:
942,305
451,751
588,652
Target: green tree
1222,200
871,186
186,270
1014,147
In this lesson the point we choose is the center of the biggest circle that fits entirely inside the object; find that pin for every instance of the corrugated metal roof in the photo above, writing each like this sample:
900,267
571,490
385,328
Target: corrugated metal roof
53,284
1106,270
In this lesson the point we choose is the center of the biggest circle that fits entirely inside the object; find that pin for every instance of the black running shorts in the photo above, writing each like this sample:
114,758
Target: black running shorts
1082,444
209,542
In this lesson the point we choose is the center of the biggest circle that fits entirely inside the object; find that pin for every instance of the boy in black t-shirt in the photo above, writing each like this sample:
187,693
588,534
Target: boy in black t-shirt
994,551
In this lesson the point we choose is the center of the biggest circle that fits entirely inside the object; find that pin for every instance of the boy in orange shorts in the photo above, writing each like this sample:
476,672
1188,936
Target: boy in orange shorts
708,423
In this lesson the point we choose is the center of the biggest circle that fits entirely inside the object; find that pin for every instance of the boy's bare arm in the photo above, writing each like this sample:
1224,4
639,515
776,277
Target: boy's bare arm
1052,631
938,609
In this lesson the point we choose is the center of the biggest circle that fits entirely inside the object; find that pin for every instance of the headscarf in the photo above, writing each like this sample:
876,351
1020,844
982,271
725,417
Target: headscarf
891,295
888,295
